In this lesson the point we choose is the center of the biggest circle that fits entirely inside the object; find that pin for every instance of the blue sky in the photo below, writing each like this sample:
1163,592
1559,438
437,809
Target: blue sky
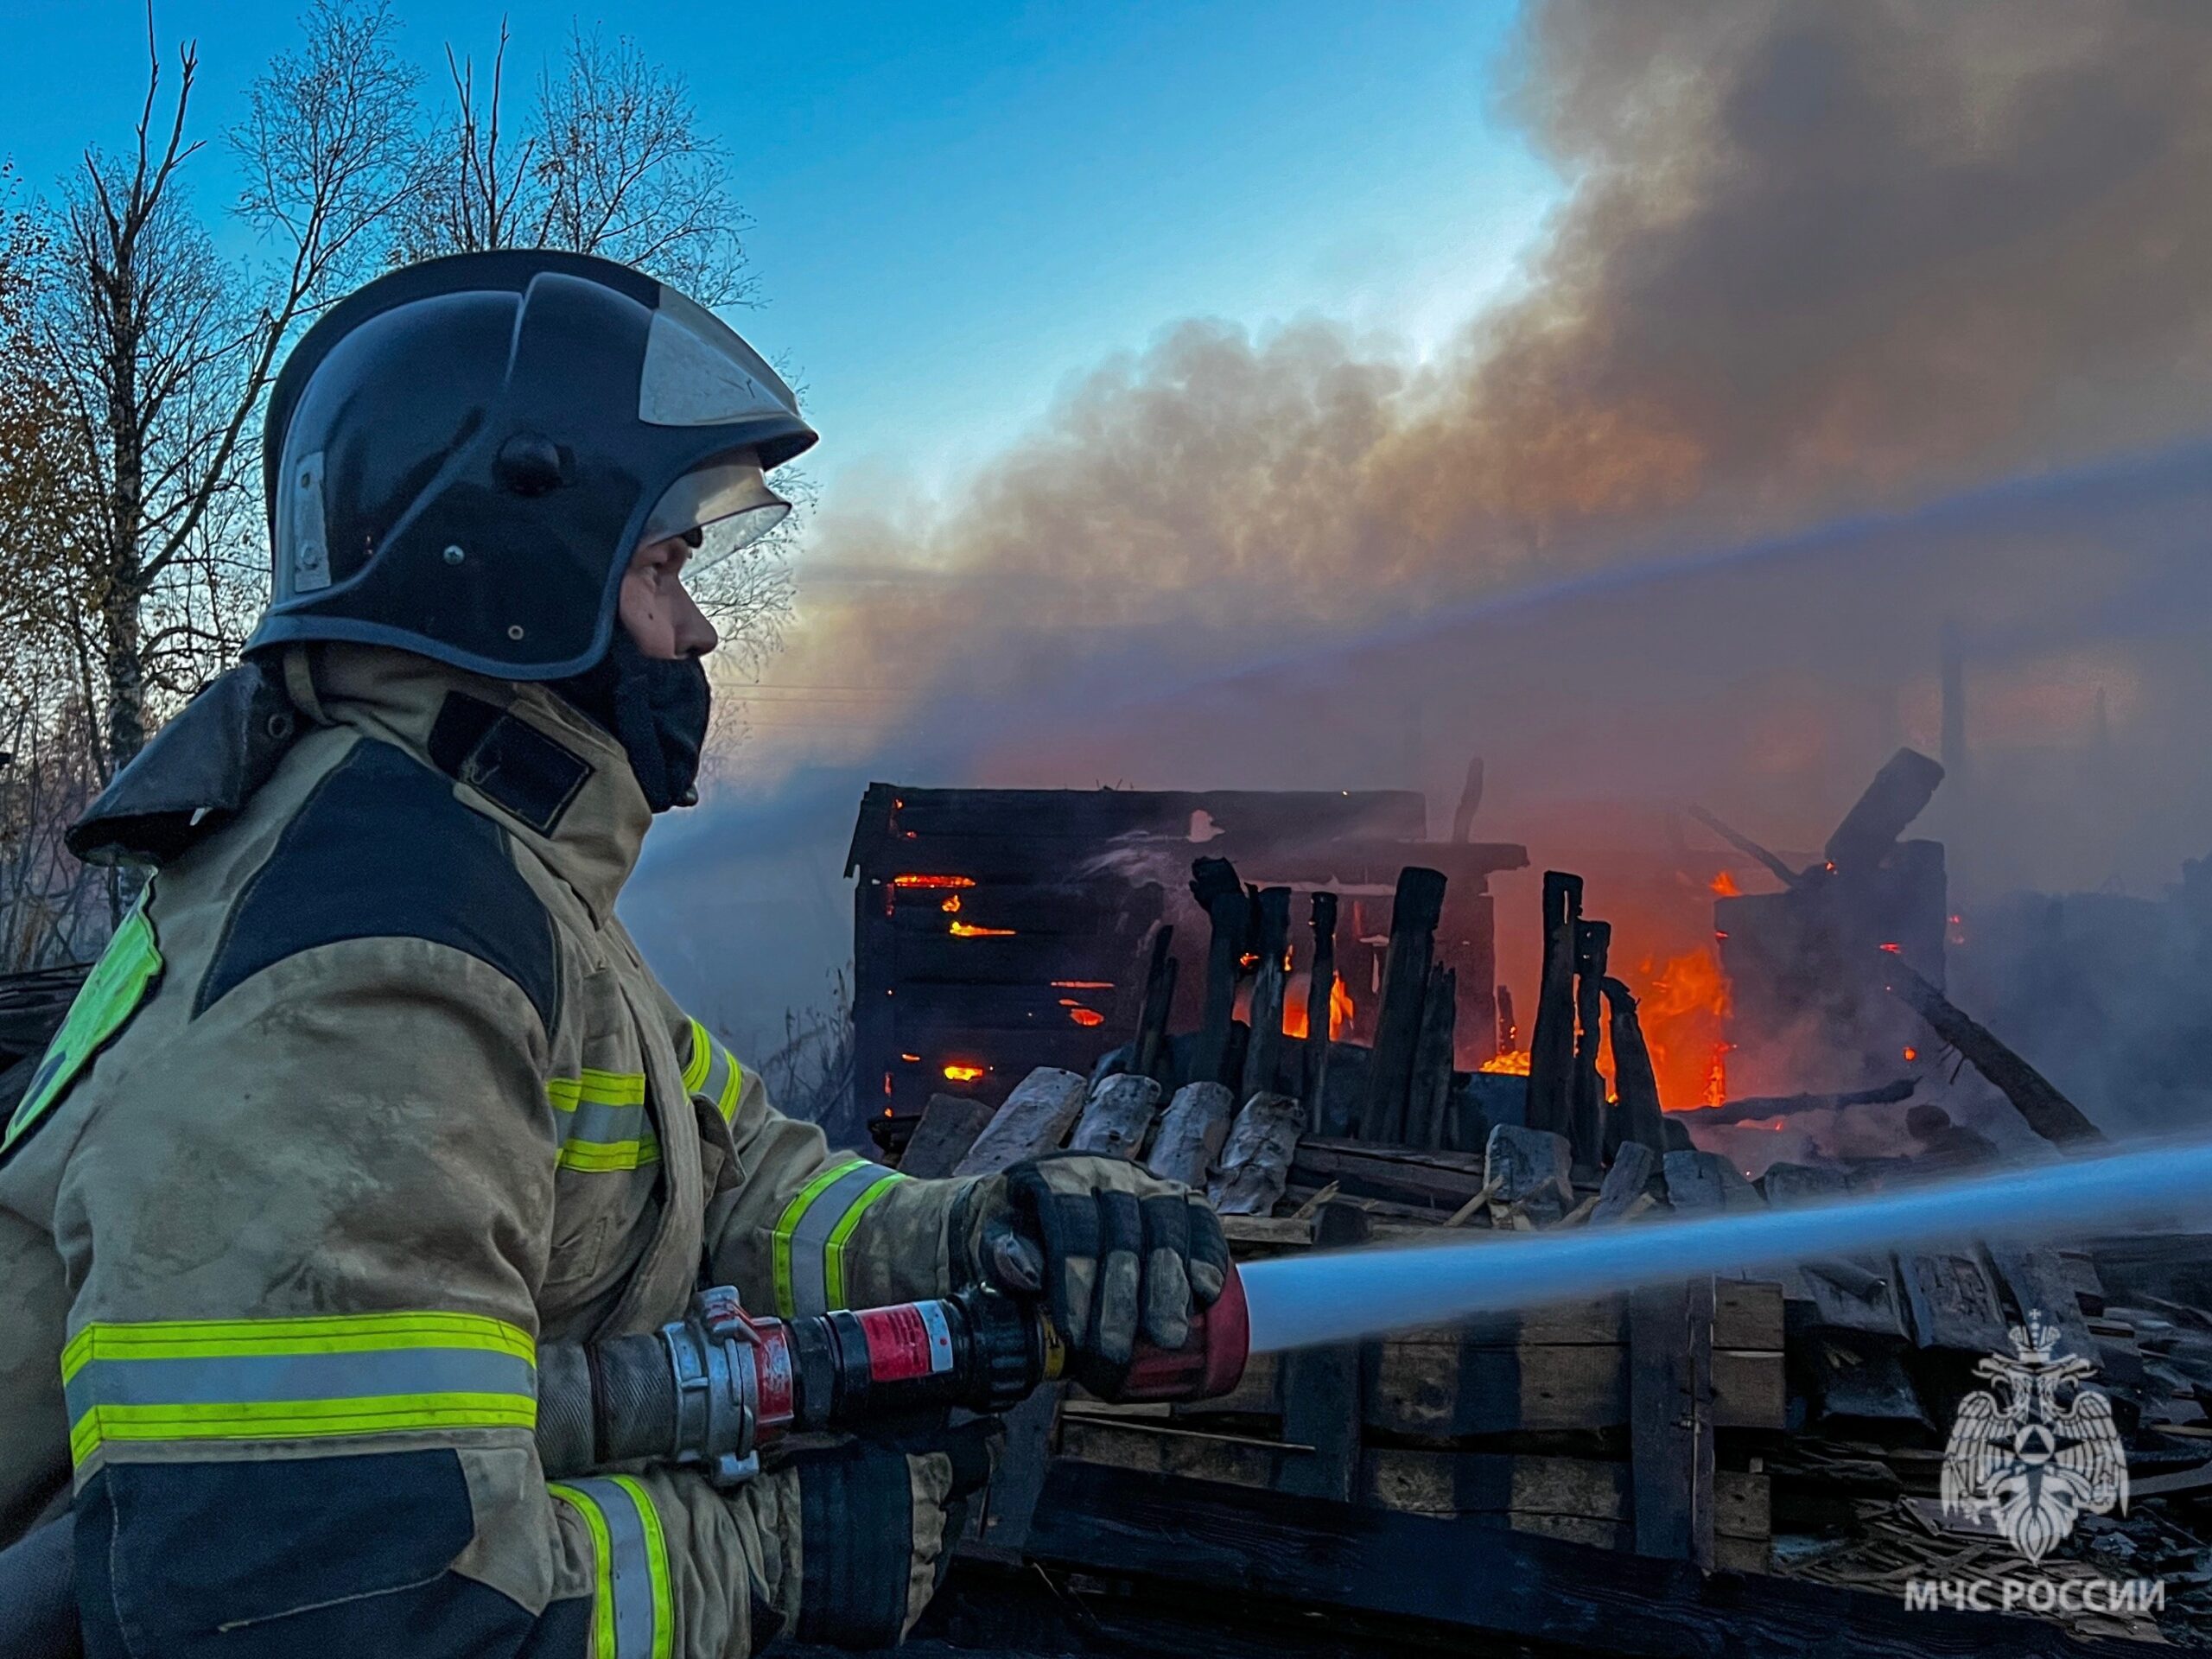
956,207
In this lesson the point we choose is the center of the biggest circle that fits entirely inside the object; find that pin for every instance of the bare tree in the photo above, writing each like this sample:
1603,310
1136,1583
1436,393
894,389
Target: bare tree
610,160
168,353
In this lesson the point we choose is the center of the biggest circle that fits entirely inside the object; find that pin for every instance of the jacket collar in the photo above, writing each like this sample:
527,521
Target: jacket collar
552,778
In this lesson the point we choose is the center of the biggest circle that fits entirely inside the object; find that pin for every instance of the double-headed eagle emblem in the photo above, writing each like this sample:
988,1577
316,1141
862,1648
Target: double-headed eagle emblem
2033,1465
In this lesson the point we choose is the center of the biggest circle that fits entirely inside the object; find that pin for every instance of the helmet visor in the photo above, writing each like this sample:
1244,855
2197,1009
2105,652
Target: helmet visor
727,503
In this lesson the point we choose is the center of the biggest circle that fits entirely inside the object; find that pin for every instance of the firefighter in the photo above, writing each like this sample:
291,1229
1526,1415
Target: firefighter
371,1095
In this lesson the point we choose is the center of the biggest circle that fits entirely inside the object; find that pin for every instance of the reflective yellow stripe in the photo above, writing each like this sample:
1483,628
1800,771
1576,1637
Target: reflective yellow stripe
712,1074
330,1333
602,1568
833,1265
298,1420
811,1235
323,1378
607,1126
702,1055
633,1607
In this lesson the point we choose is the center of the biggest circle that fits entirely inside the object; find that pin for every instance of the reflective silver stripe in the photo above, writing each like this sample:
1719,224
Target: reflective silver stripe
725,1078
810,1236
636,1566
601,1123
232,1379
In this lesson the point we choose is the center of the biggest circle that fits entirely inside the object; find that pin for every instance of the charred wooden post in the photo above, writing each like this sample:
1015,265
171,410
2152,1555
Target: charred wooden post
2049,1113
1149,1057
1222,896
1432,1080
1415,913
1593,943
948,1128
1508,1029
1899,794
1551,1045
1634,1079
1671,1421
1321,1003
1263,1053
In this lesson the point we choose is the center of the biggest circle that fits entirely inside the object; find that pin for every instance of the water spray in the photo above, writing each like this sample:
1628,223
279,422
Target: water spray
1300,1301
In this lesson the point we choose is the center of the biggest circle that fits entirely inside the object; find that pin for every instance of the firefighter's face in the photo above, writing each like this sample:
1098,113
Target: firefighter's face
662,618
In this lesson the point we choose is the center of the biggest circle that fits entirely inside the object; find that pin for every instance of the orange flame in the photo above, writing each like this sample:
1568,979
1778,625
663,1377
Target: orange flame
1724,884
961,1072
951,906
969,931
1513,1064
1294,1022
1684,1002
1086,1017
932,881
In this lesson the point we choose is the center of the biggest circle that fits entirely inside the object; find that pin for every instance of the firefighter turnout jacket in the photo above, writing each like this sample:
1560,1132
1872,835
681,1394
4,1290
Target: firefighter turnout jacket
370,1095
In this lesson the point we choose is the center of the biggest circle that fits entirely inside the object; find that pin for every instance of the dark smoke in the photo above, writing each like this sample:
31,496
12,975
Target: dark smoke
1911,307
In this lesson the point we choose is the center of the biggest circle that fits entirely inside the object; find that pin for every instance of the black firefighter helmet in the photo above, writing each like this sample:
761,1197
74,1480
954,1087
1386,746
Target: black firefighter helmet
462,457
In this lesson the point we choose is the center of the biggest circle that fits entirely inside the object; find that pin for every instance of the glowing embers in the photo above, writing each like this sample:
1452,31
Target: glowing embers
1514,1063
932,881
1724,885
969,931
1685,1006
964,1071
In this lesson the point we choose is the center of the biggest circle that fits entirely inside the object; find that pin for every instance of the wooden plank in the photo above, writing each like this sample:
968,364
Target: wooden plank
1670,1429
1426,1482
1165,1449
1749,1388
1855,1294
1191,1132
1320,1387
1458,1575
1743,1505
1035,1118
1228,912
1747,1313
1370,1172
1441,1392
1118,1117
1151,1057
1255,1162
948,1128
1953,1301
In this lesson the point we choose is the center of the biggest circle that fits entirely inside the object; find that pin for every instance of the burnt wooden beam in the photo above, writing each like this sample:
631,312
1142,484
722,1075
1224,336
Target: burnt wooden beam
1263,1049
1149,1057
1255,1163
1593,943
1551,1045
1751,1108
1640,1111
1414,915
1432,1079
1899,794
1119,1116
1035,1118
2049,1113
1458,1574
1446,1181
1229,909
1320,999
